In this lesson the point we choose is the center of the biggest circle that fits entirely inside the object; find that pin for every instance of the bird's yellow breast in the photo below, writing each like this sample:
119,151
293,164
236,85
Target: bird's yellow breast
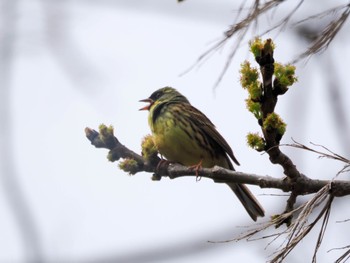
179,142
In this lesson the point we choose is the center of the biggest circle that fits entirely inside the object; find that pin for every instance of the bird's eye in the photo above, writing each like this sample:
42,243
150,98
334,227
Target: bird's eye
156,95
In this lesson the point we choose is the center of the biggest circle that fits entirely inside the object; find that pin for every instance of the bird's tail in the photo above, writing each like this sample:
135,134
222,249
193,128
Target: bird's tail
248,200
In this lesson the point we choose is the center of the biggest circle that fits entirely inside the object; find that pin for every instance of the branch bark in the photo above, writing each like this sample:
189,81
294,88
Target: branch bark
302,186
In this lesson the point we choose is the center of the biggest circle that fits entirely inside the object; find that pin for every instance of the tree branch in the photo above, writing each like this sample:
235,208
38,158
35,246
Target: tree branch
302,186
271,89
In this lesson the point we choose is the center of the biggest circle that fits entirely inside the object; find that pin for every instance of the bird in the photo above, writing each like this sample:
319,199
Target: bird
183,134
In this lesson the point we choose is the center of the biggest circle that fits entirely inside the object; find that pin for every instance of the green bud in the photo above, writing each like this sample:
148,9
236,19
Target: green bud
106,133
258,47
254,107
104,130
129,165
149,149
255,141
269,46
255,91
274,122
249,75
285,74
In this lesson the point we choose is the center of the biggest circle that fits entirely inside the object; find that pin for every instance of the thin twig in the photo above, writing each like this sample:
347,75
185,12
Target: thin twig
290,207
297,230
322,41
300,227
324,154
324,226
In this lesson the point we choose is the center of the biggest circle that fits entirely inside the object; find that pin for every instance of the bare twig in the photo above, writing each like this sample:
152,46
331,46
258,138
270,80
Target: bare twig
322,41
258,228
324,226
241,29
344,257
289,208
284,22
300,227
258,9
324,154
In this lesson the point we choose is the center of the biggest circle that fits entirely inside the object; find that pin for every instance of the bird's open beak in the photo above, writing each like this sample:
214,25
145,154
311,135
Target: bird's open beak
150,101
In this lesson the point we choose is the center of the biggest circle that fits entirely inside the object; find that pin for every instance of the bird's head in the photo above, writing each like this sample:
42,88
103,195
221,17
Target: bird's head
164,95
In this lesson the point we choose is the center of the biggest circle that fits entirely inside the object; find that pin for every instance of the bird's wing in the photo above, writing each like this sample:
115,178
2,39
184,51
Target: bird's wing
209,129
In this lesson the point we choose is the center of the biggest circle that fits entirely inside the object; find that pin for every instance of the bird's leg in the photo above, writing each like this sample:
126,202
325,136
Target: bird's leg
161,163
197,167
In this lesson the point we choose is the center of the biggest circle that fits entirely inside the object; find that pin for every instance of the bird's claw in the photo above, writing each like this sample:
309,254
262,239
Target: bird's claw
197,167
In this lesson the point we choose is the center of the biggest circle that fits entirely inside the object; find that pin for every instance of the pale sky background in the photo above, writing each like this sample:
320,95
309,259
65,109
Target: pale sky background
82,63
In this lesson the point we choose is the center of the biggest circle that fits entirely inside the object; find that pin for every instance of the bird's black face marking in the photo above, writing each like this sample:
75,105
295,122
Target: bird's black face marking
156,95
166,93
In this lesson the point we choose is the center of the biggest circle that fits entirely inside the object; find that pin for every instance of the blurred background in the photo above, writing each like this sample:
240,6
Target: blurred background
66,65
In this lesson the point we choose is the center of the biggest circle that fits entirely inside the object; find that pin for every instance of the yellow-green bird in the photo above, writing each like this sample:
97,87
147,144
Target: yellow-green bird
184,135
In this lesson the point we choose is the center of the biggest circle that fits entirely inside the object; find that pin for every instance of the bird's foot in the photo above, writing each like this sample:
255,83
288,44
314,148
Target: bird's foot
197,167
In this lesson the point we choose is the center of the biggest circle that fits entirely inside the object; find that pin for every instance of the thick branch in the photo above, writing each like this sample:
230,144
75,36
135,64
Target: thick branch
268,102
301,186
